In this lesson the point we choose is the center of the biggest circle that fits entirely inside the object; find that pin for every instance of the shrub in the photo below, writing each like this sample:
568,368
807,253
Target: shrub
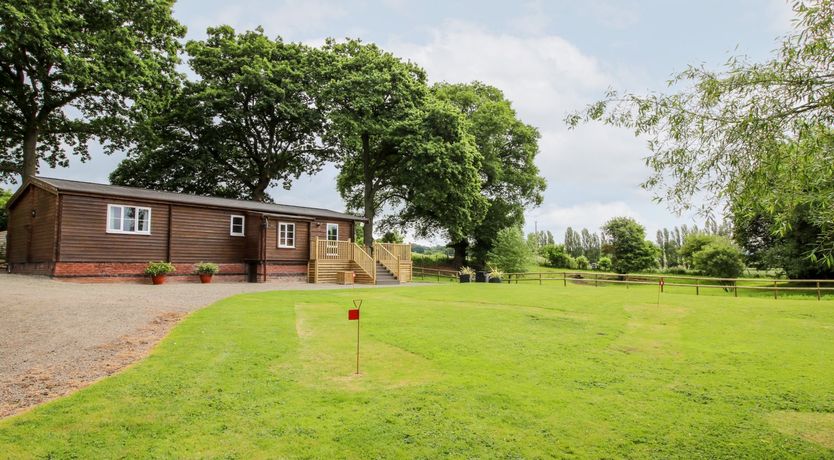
510,252
583,263
159,268
556,256
494,272
464,271
604,264
721,259
207,268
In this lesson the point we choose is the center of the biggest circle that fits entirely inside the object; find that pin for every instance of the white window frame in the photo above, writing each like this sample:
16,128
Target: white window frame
121,230
327,234
232,231
286,225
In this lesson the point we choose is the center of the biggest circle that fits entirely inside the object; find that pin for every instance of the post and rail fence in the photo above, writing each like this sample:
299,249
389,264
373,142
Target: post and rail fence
819,287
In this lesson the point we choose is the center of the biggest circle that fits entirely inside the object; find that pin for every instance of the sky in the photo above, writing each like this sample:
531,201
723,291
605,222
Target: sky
549,57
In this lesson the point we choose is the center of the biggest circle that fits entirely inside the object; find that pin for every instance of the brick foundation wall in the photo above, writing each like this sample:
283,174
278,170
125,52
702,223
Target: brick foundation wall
131,272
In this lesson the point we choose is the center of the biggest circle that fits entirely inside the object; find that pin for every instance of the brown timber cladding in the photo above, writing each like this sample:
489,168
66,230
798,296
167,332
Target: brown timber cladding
32,222
84,236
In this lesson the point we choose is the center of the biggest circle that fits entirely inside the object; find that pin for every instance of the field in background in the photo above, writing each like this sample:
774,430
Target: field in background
479,370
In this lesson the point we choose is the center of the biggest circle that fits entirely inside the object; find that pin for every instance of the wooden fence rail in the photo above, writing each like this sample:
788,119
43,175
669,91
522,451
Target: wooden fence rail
817,286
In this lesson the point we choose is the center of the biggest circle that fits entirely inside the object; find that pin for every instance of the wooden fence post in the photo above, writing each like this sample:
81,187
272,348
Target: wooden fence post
775,290
565,278
697,287
540,279
735,288
818,291
661,284
626,281
596,280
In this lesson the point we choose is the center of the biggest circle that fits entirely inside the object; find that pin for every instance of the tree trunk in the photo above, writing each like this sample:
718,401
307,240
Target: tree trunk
459,259
30,154
259,192
368,191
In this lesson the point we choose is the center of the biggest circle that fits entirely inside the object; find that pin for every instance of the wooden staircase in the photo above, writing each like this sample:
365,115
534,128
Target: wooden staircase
384,276
389,264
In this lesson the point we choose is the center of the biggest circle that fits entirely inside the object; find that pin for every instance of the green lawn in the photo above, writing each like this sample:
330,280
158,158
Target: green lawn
484,371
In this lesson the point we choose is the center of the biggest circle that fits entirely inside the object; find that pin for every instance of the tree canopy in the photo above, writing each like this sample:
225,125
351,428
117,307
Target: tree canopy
251,121
510,180
398,147
71,71
628,247
722,133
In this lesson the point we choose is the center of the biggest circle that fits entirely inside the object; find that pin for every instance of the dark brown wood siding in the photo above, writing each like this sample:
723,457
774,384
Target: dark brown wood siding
32,222
84,236
345,229
302,240
253,237
201,234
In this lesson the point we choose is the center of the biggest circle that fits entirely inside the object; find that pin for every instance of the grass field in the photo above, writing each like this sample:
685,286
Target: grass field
489,371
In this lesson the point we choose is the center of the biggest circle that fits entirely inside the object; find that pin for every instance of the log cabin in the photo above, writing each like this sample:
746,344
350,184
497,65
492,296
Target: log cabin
95,232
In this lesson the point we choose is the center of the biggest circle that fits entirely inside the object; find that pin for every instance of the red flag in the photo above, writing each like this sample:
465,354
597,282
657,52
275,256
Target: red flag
353,314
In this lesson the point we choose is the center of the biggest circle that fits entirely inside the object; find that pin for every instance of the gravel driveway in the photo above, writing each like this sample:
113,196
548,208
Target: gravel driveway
58,336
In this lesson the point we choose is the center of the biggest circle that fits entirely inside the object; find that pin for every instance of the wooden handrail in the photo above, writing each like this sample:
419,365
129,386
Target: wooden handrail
387,259
399,250
364,260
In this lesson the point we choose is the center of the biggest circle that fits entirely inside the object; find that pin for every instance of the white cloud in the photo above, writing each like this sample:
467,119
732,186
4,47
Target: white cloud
543,75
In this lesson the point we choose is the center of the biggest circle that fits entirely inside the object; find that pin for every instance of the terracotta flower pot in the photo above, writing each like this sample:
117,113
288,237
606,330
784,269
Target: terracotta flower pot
158,279
205,278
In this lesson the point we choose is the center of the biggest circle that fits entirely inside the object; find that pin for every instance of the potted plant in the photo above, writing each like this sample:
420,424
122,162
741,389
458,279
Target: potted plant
158,270
206,270
465,274
495,274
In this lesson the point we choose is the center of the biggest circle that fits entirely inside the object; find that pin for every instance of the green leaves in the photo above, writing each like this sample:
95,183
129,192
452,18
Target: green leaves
74,70
626,242
251,121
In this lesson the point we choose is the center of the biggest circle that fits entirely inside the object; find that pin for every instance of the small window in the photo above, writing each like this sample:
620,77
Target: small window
332,232
286,235
128,219
236,226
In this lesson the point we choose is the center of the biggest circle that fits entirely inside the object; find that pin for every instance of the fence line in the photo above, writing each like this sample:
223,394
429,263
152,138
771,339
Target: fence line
818,286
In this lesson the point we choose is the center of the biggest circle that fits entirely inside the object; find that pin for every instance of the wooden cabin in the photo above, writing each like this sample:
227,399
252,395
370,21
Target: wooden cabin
86,231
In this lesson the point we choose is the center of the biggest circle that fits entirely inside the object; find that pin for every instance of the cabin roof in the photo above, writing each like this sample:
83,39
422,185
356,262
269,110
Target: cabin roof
91,188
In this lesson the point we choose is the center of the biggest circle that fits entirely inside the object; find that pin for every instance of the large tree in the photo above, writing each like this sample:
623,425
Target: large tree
369,94
249,122
626,243
72,70
401,151
715,132
510,180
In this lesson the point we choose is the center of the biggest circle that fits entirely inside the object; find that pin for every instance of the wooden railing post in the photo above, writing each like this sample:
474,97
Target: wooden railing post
565,278
818,291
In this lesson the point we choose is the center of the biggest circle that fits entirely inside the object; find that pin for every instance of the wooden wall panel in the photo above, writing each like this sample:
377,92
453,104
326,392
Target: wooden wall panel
302,240
345,229
32,238
84,236
200,234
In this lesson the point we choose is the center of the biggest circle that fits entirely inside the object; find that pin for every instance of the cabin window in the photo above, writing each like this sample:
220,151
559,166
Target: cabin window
128,219
236,226
286,235
332,232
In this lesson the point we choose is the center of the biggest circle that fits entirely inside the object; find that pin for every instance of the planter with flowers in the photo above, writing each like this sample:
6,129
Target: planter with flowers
158,270
206,270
